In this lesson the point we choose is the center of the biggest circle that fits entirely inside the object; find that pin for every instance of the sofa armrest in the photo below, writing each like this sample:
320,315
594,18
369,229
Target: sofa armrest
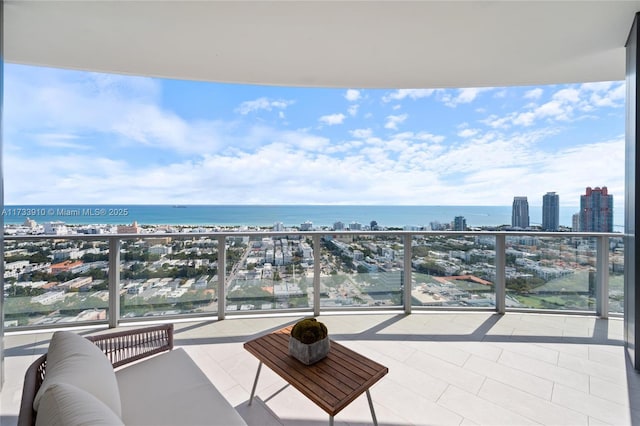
32,380
123,347
120,347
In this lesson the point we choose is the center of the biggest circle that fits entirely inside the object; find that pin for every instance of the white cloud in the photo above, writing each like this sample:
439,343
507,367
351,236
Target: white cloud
410,93
125,109
533,93
352,95
420,136
425,136
262,104
566,104
361,133
353,110
85,137
467,133
71,100
151,126
569,95
464,173
60,141
394,120
606,95
302,140
599,86
463,96
332,119
342,148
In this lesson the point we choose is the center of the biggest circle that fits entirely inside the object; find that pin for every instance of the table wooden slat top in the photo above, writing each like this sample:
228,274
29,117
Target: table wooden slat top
331,383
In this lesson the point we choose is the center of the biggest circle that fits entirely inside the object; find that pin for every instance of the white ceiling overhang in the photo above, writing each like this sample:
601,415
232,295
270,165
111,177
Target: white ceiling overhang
366,44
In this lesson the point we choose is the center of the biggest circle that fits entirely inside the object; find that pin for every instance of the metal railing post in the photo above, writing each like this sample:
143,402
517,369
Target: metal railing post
406,274
316,275
222,260
501,281
602,276
114,281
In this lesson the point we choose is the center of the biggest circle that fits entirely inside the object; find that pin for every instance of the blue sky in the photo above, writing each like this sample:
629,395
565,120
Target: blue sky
76,137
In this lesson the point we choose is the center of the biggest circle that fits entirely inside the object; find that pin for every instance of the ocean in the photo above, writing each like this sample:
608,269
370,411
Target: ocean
267,215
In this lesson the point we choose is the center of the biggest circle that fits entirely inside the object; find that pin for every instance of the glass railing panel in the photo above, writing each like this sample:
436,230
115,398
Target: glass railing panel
163,276
616,275
557,273
453,270
50,282
267,273
360,270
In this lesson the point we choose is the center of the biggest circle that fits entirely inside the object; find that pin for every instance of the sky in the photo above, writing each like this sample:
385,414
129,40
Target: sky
75,137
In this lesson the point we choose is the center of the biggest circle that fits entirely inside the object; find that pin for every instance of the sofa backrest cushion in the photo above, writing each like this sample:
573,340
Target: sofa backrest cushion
74,360
66,405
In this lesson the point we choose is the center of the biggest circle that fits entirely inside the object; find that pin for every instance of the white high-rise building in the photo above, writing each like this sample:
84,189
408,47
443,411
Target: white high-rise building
575,222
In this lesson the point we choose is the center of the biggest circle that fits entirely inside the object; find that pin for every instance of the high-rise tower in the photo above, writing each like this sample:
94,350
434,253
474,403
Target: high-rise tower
596,210
459,223
575,222
550,211
520,213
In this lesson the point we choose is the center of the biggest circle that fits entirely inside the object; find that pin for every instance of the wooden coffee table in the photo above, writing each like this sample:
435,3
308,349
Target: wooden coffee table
332,383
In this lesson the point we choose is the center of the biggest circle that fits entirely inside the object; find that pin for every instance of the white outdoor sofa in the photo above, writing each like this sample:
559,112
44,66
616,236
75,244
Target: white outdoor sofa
142,380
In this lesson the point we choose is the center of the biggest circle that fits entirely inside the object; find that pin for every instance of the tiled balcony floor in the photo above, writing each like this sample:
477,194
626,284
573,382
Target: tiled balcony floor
444,368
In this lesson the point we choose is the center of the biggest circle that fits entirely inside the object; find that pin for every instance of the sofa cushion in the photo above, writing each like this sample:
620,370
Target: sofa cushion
170,389
75,360
66,405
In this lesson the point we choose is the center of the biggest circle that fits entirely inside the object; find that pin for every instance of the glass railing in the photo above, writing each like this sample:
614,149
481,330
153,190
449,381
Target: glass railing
268,273
167,276
361,271
453,270
616,275
556,273
55,280
49,282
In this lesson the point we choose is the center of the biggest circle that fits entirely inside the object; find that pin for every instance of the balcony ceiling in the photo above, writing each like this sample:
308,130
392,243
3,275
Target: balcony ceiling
366,44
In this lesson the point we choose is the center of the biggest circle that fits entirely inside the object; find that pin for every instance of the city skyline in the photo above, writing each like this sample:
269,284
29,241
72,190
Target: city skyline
112,139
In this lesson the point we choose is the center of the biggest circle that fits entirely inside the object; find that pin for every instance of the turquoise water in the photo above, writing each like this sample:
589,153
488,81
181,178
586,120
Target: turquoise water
289,215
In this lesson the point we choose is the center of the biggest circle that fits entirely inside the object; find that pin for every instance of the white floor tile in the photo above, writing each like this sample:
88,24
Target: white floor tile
444,368
536,409
593,406
517,378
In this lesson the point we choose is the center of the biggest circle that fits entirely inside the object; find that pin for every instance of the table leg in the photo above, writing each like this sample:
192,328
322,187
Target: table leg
330,420
255,383
373,413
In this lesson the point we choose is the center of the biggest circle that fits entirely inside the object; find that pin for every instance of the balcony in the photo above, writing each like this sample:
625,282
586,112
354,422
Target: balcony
444,368
455,359
505,359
